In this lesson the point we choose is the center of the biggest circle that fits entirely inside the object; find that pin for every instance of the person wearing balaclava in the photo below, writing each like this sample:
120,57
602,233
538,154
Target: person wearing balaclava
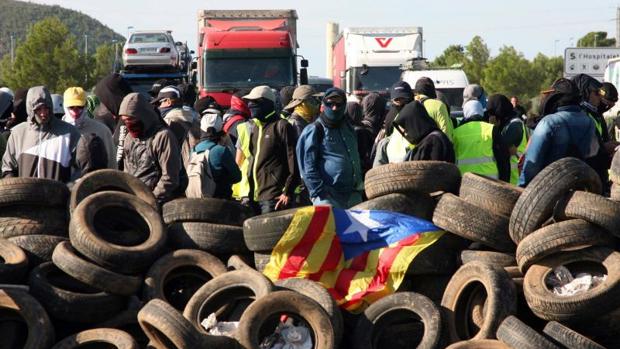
400,94
111,90
43,146
273,170
608,101
363,132
150,150
76,114
512,128
564,131
426,94
328,158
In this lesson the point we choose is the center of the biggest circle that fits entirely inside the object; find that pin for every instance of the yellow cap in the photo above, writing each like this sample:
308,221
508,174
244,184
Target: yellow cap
74,97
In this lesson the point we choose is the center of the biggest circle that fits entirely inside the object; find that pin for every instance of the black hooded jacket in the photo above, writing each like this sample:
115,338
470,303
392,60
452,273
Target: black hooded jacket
373,107
363,133
421,130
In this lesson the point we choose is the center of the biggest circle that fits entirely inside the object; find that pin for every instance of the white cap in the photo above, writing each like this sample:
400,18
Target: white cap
263,91
211,118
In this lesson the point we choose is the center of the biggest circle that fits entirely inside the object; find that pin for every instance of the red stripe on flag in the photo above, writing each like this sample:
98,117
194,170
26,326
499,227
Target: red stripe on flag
331,260
346,275
300,252
387,258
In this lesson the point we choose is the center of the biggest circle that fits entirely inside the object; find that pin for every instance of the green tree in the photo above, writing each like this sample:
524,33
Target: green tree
47,57
454,54
547,70
477,56
510,73
104,61
596,39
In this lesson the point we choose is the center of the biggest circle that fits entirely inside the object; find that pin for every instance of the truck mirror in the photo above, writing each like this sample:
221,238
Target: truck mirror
342,74
304,63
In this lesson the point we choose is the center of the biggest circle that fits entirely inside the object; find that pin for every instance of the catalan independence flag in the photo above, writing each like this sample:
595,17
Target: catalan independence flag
358,255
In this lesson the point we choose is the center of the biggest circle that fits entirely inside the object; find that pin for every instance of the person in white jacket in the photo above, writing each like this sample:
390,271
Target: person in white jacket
76,114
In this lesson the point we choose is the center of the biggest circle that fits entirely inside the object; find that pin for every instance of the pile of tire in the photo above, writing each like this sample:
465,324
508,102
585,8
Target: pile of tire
121,275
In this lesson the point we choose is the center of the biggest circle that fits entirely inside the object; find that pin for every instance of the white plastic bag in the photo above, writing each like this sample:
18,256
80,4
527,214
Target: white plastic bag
219,328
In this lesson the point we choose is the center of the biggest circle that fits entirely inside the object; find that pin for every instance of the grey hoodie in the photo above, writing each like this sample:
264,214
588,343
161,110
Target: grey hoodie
154,158
41,151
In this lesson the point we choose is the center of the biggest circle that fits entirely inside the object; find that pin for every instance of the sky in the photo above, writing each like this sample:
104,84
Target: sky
530,26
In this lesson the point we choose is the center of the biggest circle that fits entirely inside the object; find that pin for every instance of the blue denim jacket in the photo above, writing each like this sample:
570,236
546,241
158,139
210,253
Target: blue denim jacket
568,132
332,167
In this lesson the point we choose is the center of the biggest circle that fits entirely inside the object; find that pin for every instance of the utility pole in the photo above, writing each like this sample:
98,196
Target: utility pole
12,48
86,60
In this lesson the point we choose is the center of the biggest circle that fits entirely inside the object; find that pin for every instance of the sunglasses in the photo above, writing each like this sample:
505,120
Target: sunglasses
76,107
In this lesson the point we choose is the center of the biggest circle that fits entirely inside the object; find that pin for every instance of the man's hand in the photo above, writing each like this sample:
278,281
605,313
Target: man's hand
282,201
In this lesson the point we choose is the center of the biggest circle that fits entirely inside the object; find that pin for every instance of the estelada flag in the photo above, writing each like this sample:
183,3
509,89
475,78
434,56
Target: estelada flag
358,255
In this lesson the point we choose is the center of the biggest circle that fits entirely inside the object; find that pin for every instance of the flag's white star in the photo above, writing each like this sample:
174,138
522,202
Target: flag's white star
361,223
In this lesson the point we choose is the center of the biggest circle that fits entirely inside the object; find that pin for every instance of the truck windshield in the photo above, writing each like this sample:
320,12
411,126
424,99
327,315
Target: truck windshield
246,72
454,96
378,79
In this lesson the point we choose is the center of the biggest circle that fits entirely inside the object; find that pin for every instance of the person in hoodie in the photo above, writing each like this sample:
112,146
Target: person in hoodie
273,170
305,107
424,140
564,130
474,92
472,111
76,114
43,146
221,161
328,158
373,110
400,95
150,151
363,133
236,115
111,90
171,109
427,95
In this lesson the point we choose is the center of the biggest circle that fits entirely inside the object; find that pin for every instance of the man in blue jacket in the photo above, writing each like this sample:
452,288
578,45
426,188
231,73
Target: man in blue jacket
328,158
565,131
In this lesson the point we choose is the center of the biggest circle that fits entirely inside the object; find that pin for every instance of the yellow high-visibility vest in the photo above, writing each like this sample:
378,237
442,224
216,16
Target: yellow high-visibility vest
473,146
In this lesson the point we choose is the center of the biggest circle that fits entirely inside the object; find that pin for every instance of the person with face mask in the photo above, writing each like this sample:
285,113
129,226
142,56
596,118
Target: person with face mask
273,170
43,146
150,150
304,106
328,156
76,114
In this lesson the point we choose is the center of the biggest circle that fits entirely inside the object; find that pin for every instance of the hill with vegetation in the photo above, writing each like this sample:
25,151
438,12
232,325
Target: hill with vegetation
17,17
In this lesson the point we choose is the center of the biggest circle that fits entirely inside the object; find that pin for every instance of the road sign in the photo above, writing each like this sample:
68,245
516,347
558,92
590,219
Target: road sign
588,60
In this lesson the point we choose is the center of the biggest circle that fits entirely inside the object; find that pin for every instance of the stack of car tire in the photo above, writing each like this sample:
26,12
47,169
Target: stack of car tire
120,273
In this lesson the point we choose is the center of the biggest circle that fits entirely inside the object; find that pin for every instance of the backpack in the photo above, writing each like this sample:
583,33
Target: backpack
201,183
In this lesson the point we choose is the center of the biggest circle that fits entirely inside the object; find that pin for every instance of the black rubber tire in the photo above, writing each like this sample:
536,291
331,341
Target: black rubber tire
71,300
431,286
490,194
33,191
416,205
376,319
569,338
33,220
127,321
285,302
208,210
40,329
319,294
262,233
128,258
110,180
491,257
615,192
595,209
586,305
67,259
473,223
14,263
558,237
217,295
213,238
261,259
539,199
471,278
166,328
240,262
38,248
516,334
175,267
479,344
112,337
440,258
412,176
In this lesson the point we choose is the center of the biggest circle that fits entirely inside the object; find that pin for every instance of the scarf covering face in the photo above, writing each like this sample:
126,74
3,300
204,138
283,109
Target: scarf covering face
307,110
415,121
334,117
261,109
